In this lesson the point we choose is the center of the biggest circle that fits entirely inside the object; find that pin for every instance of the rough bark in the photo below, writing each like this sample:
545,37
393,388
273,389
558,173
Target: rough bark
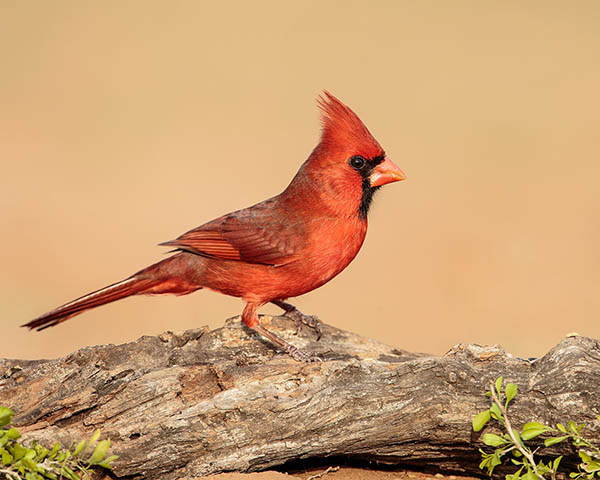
203,402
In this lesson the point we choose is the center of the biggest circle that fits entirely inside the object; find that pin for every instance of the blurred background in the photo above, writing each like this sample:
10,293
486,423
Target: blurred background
125,124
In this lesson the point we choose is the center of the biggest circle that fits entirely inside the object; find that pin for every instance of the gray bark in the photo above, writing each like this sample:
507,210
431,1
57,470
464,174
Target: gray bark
203,402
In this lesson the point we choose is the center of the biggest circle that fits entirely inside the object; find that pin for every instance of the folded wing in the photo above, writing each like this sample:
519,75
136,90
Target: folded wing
260,234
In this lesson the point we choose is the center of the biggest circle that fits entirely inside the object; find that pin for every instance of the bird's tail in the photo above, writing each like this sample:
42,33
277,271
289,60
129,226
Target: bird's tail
116,291
151,280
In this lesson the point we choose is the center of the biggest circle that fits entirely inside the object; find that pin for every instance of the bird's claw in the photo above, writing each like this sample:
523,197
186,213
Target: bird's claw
302,356
301,319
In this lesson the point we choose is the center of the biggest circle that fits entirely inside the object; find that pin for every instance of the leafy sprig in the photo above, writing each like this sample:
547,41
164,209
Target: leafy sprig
19,462
523,456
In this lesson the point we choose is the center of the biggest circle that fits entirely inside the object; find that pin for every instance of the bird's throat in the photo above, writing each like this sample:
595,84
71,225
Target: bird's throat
367,198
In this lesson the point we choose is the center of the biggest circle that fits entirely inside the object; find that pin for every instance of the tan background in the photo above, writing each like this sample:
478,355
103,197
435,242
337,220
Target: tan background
124,124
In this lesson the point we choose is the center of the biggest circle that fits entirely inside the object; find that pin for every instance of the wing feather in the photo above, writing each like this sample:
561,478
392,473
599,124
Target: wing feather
260,234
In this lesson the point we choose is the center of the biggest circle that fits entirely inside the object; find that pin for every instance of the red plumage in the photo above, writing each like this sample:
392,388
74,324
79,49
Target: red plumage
282,247
343,130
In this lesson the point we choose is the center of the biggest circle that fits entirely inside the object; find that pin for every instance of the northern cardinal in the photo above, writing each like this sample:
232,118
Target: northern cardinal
279,248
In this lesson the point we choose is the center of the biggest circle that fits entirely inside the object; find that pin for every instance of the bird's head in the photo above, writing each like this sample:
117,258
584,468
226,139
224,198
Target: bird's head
348,162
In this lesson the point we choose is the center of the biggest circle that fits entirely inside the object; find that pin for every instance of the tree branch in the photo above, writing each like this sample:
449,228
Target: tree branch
204,402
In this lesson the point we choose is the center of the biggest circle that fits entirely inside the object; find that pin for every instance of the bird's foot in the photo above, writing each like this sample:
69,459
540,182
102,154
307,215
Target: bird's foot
301,355
311,321
294,352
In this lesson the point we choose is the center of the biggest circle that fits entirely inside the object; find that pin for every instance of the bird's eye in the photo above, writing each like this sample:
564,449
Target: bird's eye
357,162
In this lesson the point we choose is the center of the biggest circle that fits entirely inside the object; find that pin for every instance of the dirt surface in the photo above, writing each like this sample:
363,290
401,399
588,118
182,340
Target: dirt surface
355,473
339,473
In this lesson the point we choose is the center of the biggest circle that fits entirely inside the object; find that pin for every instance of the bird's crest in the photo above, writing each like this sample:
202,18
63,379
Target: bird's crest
343,128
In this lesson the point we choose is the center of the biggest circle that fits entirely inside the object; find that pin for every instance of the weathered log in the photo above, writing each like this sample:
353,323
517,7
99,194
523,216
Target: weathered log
203,402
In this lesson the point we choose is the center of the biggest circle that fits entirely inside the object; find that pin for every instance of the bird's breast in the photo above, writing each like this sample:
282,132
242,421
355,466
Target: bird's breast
333,244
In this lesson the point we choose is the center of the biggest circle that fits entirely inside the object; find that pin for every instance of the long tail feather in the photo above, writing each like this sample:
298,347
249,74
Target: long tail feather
116,291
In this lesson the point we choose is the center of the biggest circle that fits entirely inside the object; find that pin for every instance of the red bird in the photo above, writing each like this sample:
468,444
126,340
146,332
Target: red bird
283,247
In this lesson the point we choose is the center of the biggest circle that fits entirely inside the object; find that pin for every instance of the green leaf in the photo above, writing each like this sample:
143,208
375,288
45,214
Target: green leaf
6,415
493,440
572,426
518,437
561,427
480,420
592,467
66,471
13,434
95,436
499,385
529,475
7,458
65,455
510,391
29,463
54,451
542,468
106,463
584,456
99,452
533,429
41,453
80,447
110,459
495,411
30,454
493,462
18,451
556,463
516,475
554,440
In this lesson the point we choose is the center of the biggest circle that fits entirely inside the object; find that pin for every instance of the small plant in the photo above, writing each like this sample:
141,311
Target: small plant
39,463
522,455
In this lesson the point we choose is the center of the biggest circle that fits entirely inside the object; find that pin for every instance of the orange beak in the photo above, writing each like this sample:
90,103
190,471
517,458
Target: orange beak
386,172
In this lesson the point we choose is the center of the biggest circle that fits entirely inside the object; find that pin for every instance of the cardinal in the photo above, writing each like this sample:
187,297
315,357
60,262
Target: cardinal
282,247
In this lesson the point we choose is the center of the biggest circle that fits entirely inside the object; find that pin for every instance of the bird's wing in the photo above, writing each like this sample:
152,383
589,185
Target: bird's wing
259,234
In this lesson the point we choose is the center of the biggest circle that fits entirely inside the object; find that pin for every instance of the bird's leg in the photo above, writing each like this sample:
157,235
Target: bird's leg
250,318
300,318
